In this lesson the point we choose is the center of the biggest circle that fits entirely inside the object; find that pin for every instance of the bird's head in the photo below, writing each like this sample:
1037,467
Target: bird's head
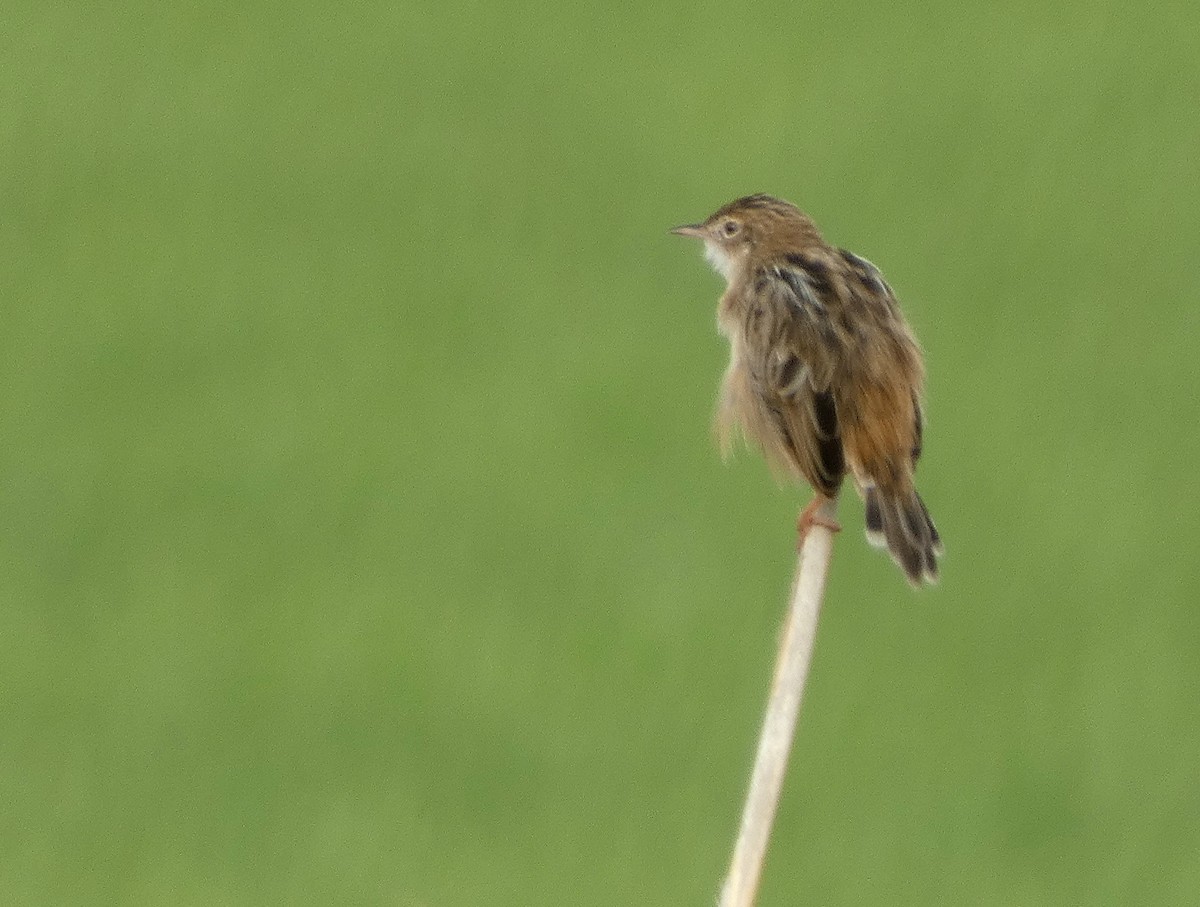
749,225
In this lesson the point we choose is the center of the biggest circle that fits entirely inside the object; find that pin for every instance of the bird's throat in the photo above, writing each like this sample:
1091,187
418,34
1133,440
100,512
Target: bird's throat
720,260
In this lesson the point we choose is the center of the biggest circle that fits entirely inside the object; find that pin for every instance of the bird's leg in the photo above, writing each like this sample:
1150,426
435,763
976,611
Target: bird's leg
819,512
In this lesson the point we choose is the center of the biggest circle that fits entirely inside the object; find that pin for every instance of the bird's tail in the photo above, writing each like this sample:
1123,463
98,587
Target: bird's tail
900,522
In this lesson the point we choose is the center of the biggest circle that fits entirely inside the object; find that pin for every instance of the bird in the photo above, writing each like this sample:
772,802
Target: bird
824,375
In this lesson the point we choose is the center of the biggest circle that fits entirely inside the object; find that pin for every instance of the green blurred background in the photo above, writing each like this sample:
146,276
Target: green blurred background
361,537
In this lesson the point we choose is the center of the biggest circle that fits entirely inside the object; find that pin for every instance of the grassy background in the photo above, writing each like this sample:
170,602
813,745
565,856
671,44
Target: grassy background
361,539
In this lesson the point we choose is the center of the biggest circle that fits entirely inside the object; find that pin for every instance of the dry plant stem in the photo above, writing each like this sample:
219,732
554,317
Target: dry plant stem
783,707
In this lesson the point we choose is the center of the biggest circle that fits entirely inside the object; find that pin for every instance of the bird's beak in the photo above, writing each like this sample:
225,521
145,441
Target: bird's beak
696,230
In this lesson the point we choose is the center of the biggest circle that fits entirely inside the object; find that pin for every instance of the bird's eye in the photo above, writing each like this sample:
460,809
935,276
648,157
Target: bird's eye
730,227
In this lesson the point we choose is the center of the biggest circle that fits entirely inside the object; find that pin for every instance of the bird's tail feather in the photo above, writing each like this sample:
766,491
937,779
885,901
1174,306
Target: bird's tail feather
900,522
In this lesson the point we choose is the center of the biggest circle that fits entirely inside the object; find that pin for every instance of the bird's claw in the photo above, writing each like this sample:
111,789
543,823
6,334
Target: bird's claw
812,516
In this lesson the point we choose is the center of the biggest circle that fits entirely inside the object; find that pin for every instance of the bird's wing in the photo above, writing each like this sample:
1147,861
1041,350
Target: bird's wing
790,367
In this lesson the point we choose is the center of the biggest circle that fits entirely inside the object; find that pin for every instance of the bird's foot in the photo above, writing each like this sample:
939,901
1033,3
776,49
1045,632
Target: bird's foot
815,515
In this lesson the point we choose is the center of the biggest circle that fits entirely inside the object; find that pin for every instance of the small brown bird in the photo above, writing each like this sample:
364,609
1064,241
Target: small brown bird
824,373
